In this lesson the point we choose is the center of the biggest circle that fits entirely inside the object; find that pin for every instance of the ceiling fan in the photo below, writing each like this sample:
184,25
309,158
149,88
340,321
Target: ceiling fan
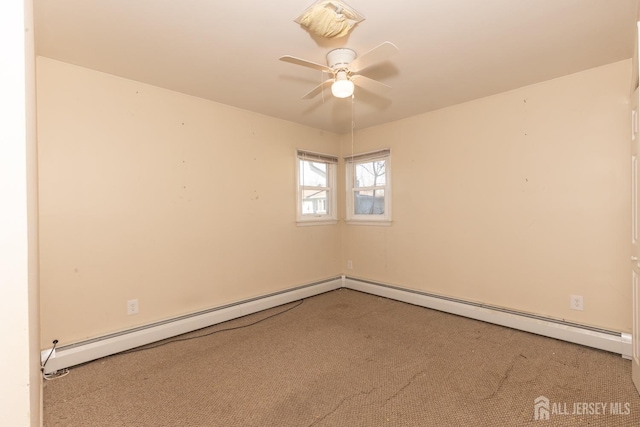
344,65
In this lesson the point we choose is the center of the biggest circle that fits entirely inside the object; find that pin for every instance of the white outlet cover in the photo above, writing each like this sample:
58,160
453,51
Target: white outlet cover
577,302
132,306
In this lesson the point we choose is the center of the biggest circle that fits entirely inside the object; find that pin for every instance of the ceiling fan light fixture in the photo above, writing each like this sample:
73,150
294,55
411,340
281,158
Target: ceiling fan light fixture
342,87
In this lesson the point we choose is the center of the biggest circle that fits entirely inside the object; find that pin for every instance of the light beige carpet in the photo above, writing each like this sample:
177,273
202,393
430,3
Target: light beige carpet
346,358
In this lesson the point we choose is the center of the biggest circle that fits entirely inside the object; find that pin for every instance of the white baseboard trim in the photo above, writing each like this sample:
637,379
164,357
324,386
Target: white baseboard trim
613,341
85,351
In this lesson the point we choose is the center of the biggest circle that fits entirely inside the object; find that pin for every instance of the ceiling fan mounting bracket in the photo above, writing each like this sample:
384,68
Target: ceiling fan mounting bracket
339,59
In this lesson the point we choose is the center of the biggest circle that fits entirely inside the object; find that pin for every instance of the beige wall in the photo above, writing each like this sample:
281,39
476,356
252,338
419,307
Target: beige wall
180,202
517,200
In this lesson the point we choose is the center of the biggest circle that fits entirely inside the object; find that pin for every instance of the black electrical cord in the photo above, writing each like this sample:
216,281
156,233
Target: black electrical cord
151,346
55,343
64,372
55,374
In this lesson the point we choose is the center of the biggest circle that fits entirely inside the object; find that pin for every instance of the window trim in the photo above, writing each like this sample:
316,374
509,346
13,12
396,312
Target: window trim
331,217
350,161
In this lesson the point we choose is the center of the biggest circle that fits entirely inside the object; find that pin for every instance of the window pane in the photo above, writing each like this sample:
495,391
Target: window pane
314,202
371,173
369,202
313,174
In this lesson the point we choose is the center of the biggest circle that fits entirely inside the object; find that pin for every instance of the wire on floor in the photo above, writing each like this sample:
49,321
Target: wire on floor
56,374
151,346
63,372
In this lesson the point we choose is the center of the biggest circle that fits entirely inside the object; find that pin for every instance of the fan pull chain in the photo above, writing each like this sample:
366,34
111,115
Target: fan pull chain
353,125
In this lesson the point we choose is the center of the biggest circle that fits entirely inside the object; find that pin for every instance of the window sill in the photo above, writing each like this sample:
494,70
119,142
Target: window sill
312,222
380,223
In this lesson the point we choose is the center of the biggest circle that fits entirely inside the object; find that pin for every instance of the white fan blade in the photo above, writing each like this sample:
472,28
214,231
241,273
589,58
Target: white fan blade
316,90
369,84
374,56
305,63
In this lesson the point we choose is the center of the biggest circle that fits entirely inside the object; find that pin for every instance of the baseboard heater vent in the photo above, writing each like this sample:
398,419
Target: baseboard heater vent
613,341
85,351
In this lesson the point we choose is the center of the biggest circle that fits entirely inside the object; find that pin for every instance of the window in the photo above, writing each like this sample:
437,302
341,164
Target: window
316,188
369,187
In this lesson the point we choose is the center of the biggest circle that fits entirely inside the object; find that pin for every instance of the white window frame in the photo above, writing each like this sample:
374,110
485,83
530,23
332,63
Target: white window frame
331,215
351,162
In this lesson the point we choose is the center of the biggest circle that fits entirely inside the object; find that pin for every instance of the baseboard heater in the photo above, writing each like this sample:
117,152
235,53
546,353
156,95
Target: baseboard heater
86,351
612,341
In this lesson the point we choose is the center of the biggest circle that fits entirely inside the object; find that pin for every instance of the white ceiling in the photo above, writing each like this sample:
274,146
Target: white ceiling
451,51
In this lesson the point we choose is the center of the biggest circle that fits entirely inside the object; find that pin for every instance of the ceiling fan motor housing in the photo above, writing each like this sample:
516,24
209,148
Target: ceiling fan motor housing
338,59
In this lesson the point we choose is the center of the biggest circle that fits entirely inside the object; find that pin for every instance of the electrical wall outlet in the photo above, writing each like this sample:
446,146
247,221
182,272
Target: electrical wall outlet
349,265
132,306
576,302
